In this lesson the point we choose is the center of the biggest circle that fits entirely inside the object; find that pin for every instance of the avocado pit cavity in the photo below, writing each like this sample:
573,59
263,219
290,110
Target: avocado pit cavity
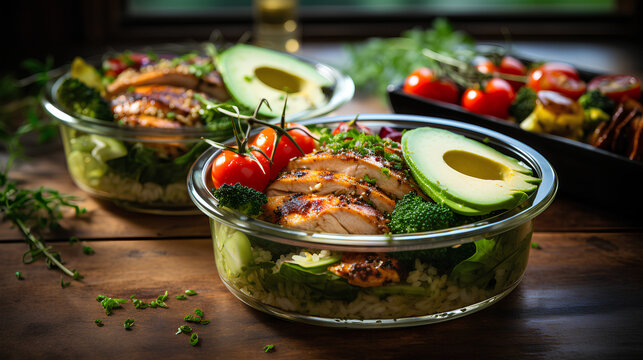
474,165
279,80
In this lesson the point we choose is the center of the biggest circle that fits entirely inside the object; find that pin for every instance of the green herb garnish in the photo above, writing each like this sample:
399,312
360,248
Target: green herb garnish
380,62
128,324
73,240
535,245
184,329
269,348
19,275
99,322
369,180
63,283
194,339
87,250
192,318
190,292
109,304
170,115
181,297
160,300
363,144
198,312
205,322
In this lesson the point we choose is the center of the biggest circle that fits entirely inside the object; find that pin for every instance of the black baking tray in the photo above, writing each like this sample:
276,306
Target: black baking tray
585,172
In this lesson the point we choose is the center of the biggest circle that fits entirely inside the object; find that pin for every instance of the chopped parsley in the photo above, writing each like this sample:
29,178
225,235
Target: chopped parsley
181,297
73,240
190,292
363,144
184,329
535,245
87,250
63,283
386,171
198,312
109,304
194,339
99,322
128,324
269,348
369,180
19,275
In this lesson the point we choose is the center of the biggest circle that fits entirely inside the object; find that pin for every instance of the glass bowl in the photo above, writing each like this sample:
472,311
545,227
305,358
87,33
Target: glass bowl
250,254
134,167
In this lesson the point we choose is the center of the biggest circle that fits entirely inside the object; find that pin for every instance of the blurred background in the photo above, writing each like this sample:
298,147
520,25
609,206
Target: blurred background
601,35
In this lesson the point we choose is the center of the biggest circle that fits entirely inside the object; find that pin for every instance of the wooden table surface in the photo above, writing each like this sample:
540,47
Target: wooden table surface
581,296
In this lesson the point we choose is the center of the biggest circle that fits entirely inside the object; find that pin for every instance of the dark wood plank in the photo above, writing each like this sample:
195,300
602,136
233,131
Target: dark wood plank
580,298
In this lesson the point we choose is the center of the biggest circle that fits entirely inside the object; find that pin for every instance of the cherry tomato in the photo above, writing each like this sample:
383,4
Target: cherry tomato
231,168
286,150
484,65
424,82
113,67
512,66
617,87
558,77
345,126
501,95
494,101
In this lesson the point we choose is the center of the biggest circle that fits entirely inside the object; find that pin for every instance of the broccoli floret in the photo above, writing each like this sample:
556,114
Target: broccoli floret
241,198
82,99
596,99
413,214
523,105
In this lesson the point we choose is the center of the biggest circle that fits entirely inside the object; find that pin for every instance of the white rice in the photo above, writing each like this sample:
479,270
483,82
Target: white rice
118,187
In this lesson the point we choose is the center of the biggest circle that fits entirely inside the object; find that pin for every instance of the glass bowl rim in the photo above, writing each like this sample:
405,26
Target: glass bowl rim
539,200
343,89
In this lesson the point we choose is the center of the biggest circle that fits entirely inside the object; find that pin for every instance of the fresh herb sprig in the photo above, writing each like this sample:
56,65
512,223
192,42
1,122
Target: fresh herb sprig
380,62
33,211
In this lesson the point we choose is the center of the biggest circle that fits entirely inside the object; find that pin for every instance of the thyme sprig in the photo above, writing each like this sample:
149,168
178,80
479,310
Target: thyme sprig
33,211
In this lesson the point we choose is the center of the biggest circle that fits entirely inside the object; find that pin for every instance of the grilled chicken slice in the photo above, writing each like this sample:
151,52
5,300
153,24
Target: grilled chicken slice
329,213
396,184
368,269
158,101
322,182
165,73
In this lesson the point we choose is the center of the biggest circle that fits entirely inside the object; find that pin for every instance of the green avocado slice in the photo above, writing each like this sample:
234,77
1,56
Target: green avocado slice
252,73
466,175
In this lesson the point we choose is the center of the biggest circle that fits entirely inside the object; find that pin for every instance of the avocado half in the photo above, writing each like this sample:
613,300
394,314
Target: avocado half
252,73
469,177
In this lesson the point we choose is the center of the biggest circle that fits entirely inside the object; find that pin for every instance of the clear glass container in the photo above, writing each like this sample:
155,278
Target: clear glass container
282,271
135,167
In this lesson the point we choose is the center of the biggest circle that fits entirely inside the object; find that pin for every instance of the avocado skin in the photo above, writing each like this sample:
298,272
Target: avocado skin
442,194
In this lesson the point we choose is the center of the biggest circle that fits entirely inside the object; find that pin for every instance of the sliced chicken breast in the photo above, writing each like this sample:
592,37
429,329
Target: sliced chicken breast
329,213
394,183
321,182
368,269
159,101
165,73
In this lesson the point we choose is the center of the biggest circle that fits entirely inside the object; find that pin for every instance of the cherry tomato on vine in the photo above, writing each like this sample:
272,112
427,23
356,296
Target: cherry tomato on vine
424,82
617,87
494,100
286,150
512,66
558,77
484,65
231,168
